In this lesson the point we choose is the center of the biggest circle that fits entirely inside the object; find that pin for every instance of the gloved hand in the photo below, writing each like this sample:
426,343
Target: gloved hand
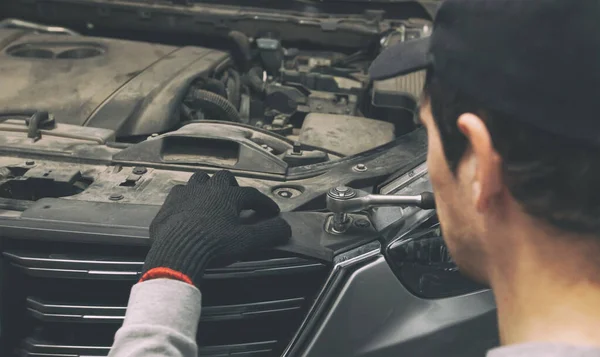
201,221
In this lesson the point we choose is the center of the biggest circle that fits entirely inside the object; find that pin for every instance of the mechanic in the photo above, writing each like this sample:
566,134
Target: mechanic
510,108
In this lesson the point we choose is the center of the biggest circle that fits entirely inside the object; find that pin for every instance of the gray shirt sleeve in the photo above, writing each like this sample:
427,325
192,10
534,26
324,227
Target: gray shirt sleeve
541,349
161,321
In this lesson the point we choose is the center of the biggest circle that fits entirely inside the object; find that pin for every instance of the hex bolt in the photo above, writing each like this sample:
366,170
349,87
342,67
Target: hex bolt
362,223
360,168
285,194
115,197
139,170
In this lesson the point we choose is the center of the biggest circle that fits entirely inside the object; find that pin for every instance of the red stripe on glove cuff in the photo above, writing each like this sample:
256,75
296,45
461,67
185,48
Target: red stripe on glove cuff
162,273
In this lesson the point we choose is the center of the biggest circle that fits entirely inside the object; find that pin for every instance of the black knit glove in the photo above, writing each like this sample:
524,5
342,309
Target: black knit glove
201,221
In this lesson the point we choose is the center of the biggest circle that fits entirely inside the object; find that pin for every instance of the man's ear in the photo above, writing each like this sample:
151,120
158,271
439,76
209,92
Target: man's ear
487,182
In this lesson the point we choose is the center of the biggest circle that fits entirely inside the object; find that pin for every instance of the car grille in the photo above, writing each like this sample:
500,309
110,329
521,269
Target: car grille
68,300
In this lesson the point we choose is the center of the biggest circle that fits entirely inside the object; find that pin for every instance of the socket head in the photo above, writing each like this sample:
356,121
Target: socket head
341,193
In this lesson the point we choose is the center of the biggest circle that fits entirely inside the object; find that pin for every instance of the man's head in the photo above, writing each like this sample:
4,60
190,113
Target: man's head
514,132
489,170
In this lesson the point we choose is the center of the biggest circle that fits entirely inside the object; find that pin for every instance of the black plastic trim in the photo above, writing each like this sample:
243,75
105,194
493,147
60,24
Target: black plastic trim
345,263
64,312
73,267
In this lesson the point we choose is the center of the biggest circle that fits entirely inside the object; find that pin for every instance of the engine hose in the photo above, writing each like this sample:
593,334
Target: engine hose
212,103
213,85
234,93
243,50
254,80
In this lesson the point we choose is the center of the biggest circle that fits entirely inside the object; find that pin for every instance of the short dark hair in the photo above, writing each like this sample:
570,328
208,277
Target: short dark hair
553,178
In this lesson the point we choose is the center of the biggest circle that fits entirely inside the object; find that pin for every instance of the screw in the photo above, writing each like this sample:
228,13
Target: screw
29,162
362,223
360,168
285,194
139,170
115,197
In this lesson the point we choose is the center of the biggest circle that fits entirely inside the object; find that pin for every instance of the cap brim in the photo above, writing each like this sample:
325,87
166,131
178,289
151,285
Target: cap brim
401,58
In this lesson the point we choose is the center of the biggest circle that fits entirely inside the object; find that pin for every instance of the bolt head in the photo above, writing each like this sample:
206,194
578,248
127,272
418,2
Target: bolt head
115,197
139,170
360,168
362,223
285,194
29,162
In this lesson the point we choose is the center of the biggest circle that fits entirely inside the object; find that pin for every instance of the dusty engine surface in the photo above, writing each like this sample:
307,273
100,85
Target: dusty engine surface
133,88
320,99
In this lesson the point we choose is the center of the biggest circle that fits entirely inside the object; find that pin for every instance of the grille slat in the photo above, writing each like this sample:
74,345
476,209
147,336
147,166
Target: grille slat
60,312
34,348
73,267
68,300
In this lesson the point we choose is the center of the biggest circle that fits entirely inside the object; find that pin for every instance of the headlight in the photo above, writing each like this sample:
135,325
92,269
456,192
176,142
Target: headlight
418,255
423,264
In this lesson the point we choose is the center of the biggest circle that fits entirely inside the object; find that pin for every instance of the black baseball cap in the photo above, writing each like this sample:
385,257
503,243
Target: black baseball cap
537,61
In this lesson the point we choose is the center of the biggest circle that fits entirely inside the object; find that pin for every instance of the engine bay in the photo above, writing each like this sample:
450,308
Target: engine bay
320,105
106,105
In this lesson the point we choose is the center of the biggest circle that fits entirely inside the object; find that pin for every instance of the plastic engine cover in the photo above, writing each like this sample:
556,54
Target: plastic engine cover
133,88
345,134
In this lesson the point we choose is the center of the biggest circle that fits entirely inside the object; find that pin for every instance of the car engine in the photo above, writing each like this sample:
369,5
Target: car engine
137,89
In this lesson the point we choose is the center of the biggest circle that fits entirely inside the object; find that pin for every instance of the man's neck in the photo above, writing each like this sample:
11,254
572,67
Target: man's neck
547,290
